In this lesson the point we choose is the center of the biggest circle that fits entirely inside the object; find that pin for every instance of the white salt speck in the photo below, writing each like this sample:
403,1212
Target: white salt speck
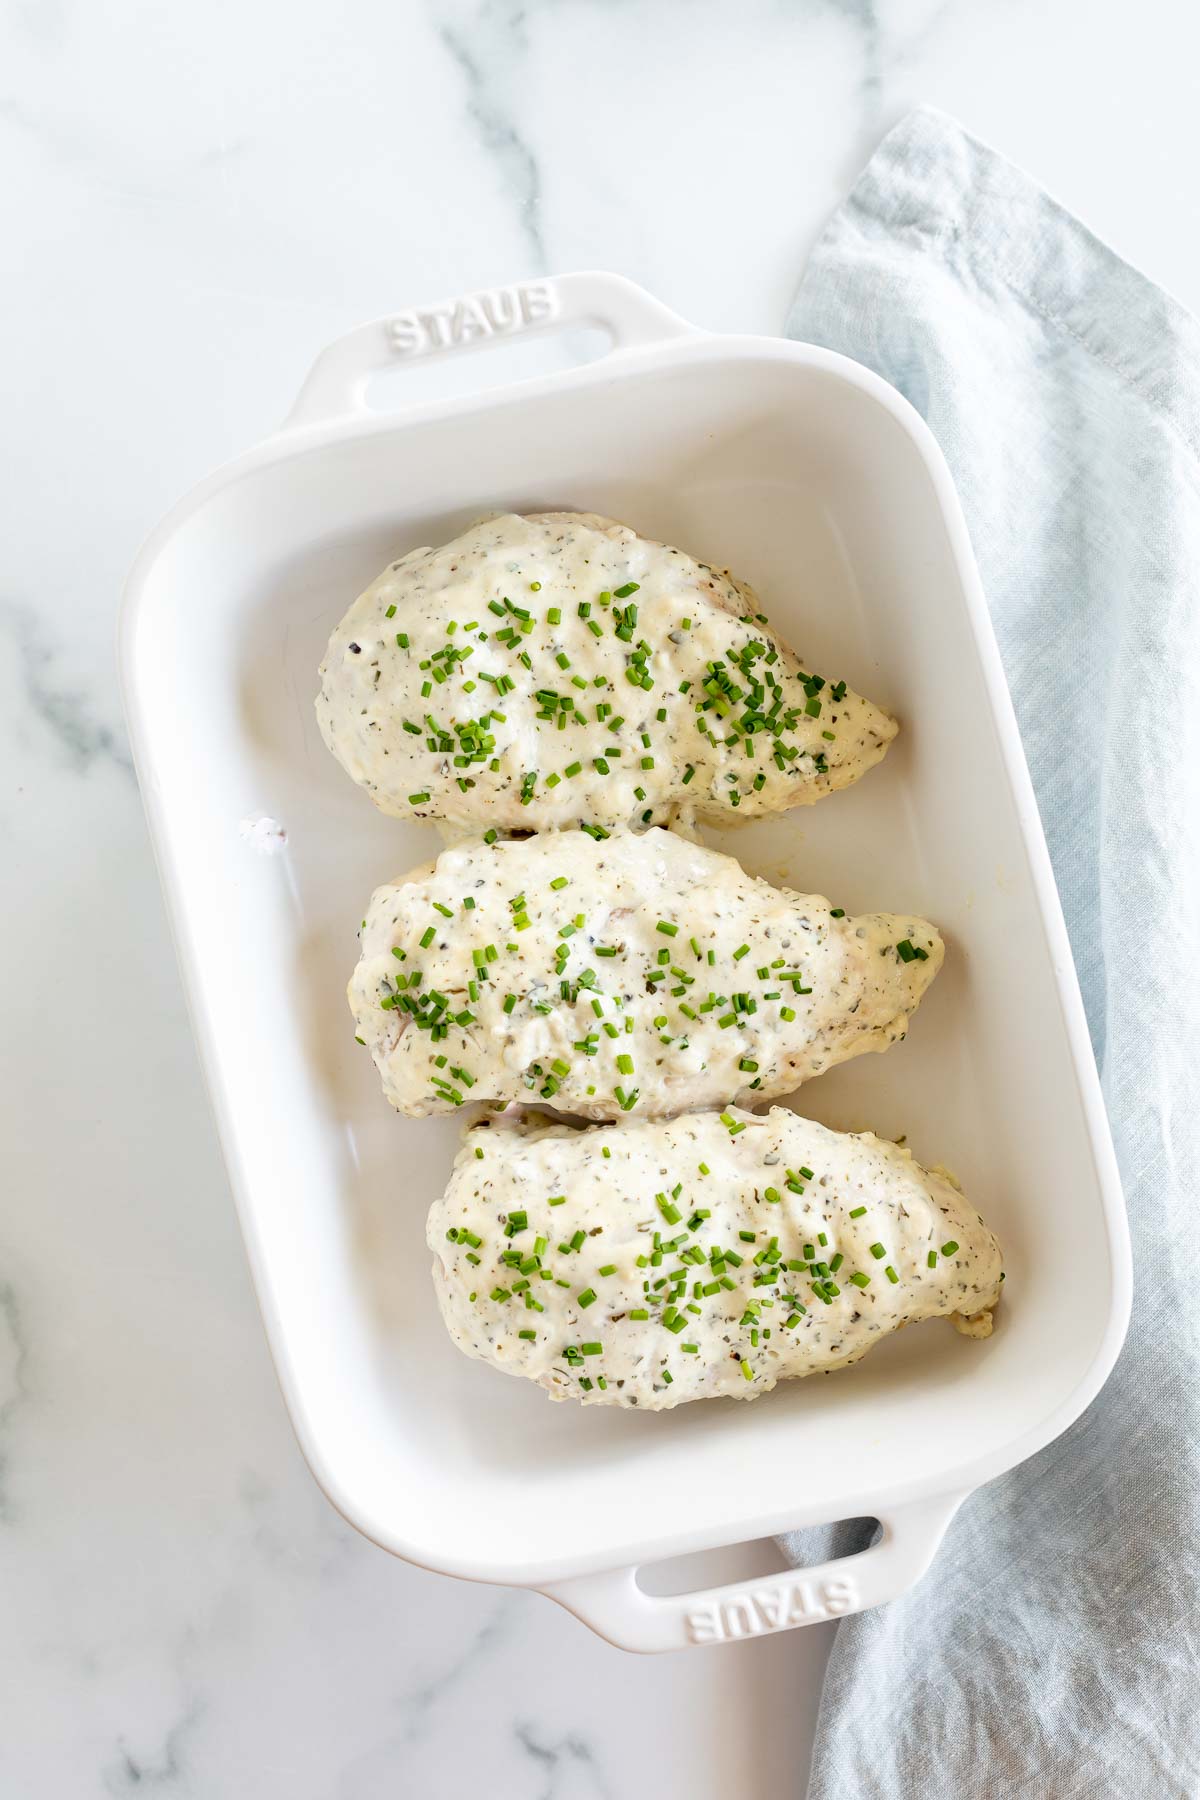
267,836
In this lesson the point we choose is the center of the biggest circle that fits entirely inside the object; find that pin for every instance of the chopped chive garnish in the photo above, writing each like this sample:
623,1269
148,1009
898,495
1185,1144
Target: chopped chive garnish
909,952
950,1247
858,1212
878,1251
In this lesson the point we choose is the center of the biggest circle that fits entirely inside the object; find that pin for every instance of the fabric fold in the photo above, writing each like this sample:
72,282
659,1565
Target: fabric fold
1052,1650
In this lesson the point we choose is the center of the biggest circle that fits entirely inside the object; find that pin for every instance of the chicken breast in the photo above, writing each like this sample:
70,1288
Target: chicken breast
559,669
644,974
649,1264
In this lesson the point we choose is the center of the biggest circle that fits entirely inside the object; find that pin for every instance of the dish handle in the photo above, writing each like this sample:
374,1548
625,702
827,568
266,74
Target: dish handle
337,382
613,1604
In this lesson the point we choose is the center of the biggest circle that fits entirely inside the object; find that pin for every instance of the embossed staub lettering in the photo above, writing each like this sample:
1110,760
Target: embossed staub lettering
759,1610
493,313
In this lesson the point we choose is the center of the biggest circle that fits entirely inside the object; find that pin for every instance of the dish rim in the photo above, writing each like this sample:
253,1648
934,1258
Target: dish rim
627,364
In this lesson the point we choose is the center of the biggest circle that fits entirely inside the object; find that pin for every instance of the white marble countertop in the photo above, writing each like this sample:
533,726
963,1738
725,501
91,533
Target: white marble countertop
197,198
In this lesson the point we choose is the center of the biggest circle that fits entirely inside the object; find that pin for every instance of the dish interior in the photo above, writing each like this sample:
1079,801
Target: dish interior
807,486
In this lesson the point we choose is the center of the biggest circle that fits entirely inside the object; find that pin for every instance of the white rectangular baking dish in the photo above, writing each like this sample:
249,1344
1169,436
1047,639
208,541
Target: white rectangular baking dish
815,481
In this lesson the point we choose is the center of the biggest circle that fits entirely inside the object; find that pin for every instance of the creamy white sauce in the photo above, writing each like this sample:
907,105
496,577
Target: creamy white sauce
688,983
770,1218
559,669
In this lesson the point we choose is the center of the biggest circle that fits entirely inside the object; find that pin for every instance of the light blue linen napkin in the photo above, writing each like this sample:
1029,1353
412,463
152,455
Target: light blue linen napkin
1054,1652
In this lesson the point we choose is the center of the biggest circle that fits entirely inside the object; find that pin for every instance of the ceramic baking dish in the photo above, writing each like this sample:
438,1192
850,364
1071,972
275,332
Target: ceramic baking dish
814,480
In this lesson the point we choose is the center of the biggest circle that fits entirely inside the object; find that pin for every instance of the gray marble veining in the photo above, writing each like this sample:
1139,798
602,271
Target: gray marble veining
66,711
163,1771
483,44
14,1357
568,1759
